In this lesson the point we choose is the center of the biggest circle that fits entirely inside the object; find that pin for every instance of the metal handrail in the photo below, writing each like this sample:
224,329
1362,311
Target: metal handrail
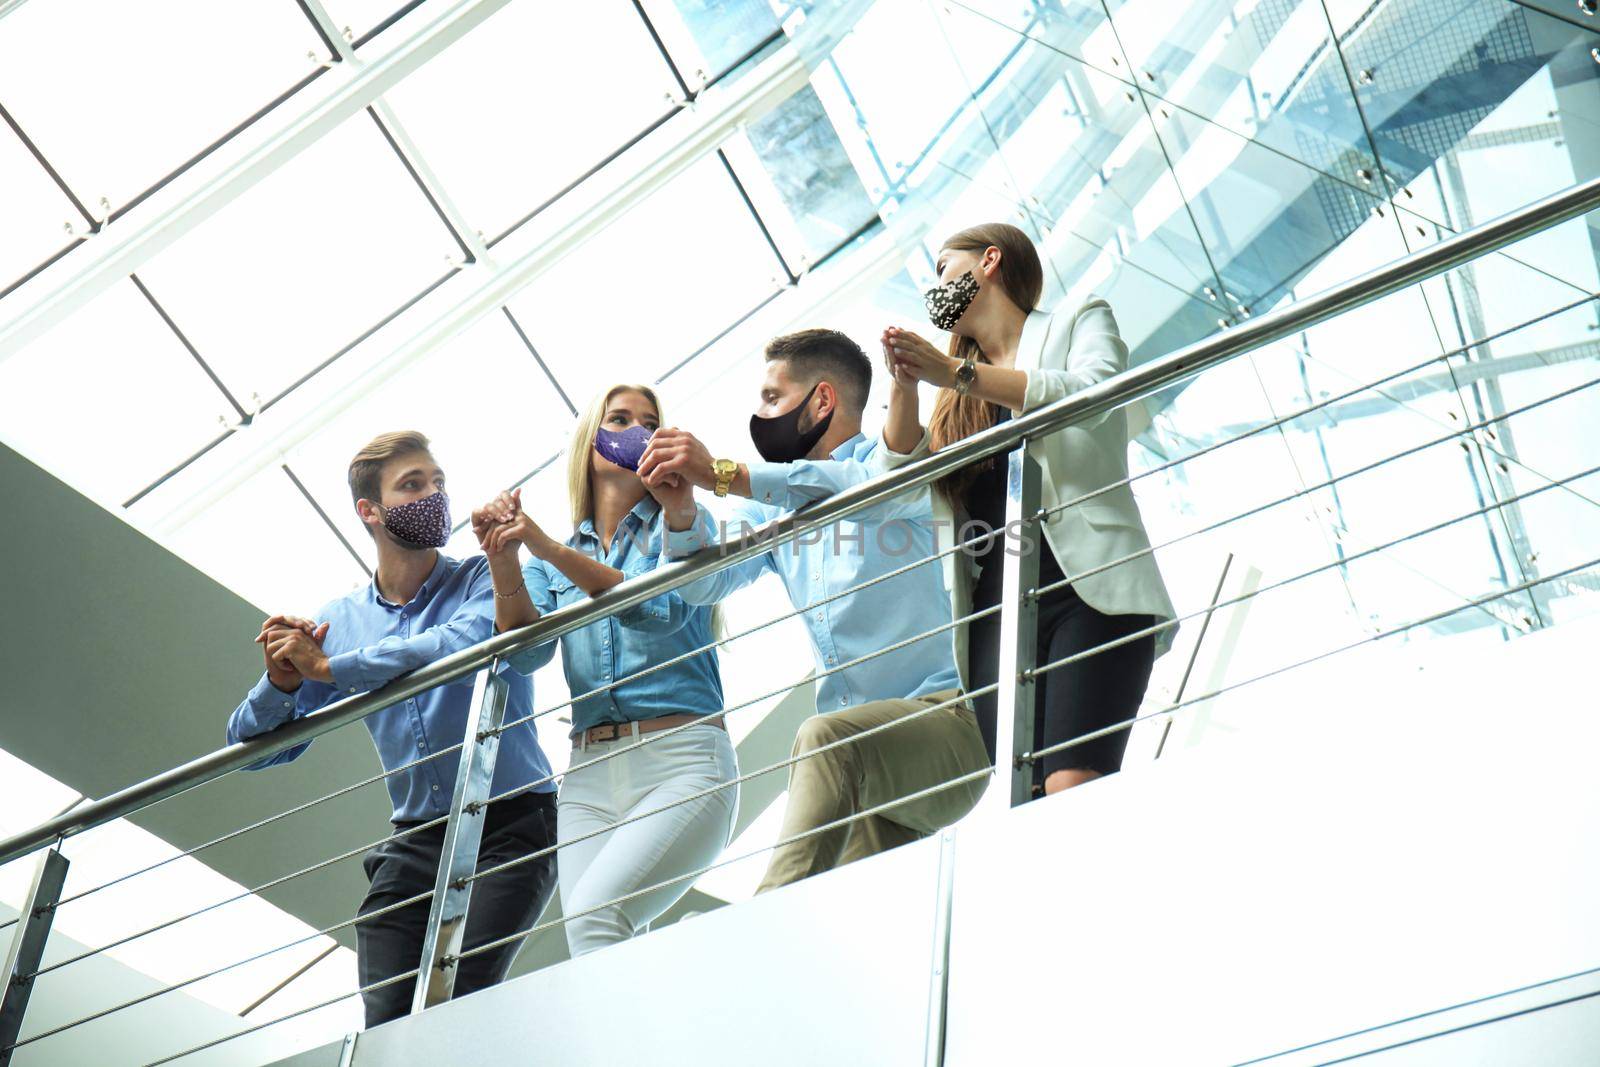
1124,388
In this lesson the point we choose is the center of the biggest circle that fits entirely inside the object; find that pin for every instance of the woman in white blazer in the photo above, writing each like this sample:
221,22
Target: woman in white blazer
1006,356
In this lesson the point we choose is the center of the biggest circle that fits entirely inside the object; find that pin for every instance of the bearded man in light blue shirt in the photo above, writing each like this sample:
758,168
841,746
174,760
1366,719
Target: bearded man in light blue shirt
807,429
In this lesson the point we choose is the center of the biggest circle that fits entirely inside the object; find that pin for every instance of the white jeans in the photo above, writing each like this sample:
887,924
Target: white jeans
651,850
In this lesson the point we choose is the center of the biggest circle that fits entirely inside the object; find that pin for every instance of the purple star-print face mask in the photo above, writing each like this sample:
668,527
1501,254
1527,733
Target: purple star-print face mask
625,448
422,523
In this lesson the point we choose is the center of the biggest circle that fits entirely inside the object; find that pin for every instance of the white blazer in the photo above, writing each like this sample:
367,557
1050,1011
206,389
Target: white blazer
1062,352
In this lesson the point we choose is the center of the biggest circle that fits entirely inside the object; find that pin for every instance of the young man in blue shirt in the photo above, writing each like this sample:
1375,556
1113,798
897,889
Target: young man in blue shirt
420,607
808,431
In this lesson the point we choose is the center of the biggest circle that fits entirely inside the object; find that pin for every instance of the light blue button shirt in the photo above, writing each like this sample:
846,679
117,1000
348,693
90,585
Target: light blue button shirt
621,645
371,641
883,538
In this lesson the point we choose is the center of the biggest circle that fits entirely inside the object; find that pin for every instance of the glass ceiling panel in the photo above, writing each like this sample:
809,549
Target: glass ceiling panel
1077,27
1083,155
681,267
801,179
491,413
1262,70
1544,136
242,540
706,37
116,95
303,263
109,399
34,215
1265,218
495,114
903,118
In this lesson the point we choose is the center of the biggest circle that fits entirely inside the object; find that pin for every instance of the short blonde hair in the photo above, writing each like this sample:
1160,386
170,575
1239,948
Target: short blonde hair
366,469
580,487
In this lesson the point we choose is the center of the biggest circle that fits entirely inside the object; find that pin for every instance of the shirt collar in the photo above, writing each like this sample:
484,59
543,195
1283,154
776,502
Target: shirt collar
848,448
425,590
645,509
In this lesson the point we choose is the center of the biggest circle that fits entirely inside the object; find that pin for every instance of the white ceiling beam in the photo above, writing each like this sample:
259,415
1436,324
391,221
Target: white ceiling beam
125,246
408,148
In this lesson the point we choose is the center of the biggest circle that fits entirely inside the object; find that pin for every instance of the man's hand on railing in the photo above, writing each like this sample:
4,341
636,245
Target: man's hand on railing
294,651
281,673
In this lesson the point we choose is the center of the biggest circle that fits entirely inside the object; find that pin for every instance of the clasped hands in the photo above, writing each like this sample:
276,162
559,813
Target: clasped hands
293,650
501,525
911,358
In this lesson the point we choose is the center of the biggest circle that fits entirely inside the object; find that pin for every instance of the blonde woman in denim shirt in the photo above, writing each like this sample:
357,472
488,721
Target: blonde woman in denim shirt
622,766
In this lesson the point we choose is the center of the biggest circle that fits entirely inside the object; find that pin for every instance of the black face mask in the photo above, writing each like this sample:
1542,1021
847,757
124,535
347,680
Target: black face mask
779,439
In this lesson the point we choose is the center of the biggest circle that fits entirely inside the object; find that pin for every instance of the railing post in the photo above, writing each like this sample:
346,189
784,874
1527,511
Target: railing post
1019,628
27,947
458,858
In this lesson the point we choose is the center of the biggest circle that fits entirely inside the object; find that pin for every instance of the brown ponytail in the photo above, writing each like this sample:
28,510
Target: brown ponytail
1021,278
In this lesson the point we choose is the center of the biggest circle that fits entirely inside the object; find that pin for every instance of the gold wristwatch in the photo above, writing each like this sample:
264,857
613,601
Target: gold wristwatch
725,470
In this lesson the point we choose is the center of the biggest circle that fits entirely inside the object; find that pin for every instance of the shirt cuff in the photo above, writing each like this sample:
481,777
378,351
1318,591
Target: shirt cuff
349,677
680,543
896,458
270,706
769,483
1034,395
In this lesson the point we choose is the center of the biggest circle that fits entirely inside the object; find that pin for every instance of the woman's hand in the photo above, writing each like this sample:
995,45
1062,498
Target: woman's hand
911,355
675,494
491,517
899,374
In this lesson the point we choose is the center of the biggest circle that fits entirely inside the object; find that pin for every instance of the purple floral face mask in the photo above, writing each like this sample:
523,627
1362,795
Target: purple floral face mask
625,448
422,523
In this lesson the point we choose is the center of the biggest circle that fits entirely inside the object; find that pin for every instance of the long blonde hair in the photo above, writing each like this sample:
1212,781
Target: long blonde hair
1021,278
580,469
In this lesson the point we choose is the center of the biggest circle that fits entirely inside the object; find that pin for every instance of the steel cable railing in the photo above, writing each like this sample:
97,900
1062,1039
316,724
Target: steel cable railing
268,821
973,542
979,539
1124,388
726,861
1027,758
960,546
952,783
1087,403
1472,604
499,868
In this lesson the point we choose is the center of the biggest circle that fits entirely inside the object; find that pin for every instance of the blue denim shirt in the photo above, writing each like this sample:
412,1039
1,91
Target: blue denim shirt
653,632
880,539
371,641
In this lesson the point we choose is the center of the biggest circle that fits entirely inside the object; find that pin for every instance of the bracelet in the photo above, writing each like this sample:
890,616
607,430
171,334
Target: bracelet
507,596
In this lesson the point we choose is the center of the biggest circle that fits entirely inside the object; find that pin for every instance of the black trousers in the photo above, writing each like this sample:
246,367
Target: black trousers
1076,699
502,904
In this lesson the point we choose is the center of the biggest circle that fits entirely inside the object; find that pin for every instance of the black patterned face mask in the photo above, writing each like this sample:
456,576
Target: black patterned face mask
948,302
422,523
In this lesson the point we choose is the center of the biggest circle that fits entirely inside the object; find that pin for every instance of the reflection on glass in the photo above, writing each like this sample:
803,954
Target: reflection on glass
800,179
707,37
